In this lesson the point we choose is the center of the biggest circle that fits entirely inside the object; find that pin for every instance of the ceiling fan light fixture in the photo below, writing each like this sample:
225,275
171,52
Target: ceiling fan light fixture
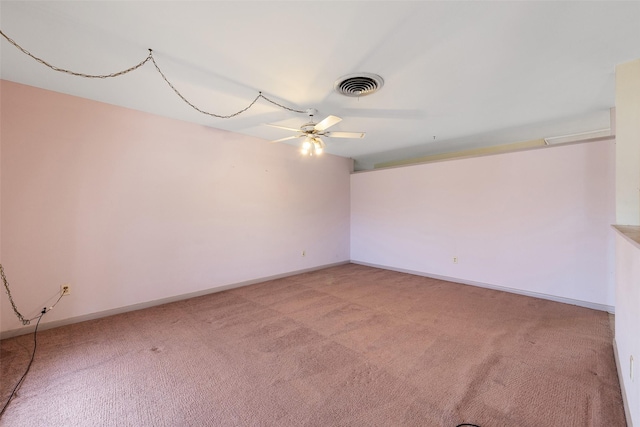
358,84
311,133
306,145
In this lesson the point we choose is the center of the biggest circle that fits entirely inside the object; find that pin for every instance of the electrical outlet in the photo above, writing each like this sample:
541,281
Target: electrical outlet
65,289
455,259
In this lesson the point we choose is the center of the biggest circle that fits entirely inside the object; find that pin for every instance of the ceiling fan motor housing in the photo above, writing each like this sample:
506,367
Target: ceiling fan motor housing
308,127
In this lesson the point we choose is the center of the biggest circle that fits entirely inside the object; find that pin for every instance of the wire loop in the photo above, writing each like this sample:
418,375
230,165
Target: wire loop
24,320
164,77
73,73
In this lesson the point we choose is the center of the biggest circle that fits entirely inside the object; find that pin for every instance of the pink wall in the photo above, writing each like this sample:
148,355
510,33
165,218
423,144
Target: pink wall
129,207
536,222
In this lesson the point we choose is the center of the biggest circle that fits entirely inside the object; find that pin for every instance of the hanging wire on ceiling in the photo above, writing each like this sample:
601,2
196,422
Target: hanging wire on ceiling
73,73
260,95
164,77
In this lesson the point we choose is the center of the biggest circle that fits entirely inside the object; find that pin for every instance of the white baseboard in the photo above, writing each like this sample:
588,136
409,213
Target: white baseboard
140,306
625,402
586,304
119,310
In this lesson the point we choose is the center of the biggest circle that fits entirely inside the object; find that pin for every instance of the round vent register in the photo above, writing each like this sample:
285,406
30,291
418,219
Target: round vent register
356,85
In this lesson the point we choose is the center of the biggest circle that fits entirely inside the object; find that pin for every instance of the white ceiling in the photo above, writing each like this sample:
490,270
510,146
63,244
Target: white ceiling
472,74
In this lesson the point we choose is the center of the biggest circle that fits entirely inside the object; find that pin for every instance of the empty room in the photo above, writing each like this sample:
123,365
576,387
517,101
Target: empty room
319,213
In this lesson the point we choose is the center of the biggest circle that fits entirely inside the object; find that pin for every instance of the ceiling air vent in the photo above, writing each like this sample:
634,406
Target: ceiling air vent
356,85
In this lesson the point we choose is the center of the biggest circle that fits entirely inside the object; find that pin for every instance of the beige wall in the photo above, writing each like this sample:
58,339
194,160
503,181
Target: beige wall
628,213
628,143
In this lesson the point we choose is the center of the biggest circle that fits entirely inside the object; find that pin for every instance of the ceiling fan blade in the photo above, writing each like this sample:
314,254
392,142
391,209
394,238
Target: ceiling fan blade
327,123
345,134
288,138
282,127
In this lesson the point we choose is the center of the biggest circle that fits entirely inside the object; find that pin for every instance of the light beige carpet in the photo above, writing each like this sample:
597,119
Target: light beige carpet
345,346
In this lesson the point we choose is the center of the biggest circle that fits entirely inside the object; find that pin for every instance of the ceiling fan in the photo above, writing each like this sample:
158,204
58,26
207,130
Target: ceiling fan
311,132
